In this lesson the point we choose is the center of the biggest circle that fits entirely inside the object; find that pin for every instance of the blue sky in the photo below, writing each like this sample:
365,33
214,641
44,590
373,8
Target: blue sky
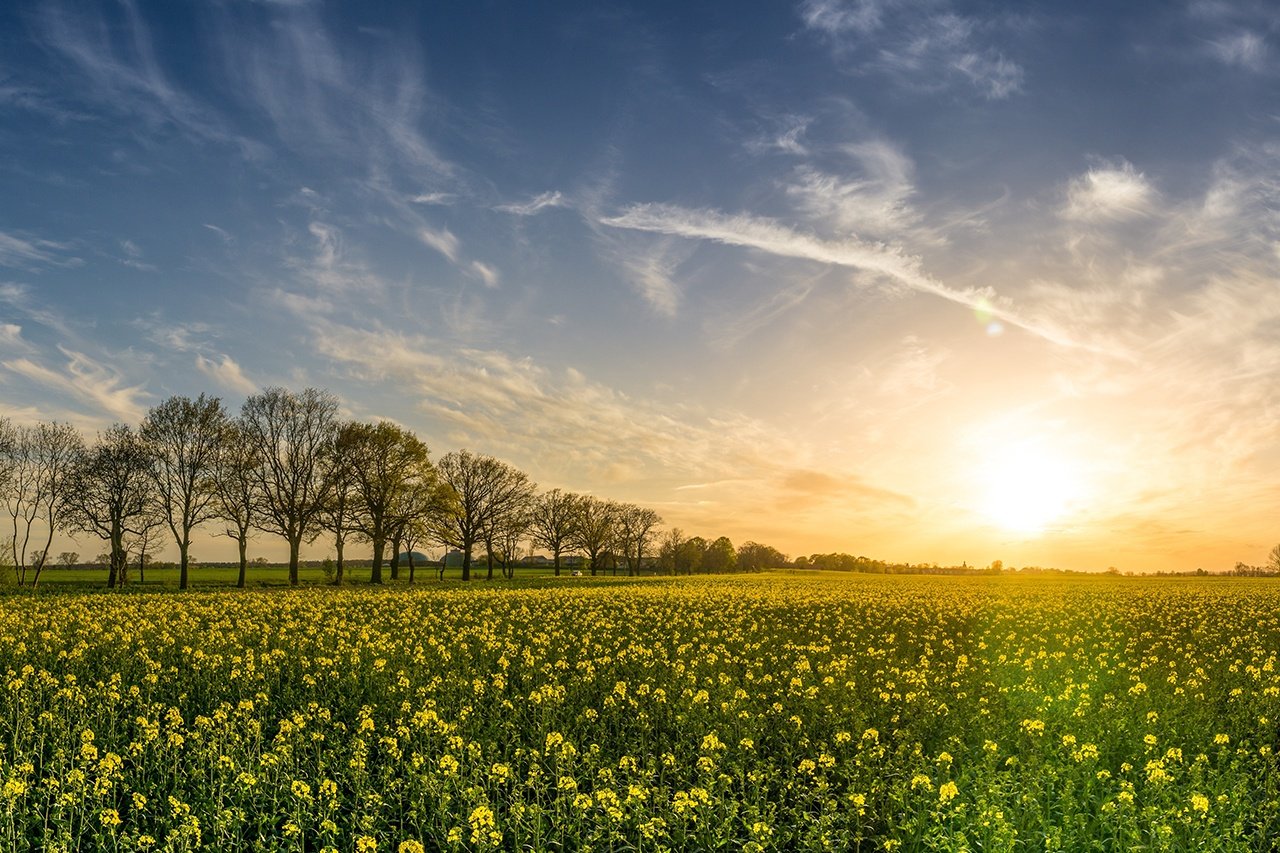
932,281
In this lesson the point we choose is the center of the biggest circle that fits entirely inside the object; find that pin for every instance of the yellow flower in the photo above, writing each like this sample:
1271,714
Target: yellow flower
947,792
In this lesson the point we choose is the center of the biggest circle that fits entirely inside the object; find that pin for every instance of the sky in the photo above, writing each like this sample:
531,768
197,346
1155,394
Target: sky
926,281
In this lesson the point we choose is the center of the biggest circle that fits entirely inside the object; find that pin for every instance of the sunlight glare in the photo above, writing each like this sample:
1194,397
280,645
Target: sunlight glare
1027,488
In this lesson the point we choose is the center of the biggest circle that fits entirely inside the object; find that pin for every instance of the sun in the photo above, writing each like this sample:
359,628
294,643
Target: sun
1027,488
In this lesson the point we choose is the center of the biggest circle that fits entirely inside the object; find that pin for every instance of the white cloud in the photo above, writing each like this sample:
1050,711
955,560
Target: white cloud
769,236
227,373
1109,194
921,46
534,205
876,204
442,241
487,274
1245,49
11,336
434,198
836,17
24,252
89,381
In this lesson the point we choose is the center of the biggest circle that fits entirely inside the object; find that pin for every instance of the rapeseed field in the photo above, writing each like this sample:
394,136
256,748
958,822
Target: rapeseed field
776,712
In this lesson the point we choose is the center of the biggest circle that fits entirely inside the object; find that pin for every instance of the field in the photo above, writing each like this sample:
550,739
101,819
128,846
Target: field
775,712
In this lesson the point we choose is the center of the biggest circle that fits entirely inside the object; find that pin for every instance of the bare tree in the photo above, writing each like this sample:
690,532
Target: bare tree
483,488
37,464
1273,559
553,521
509,533
147,529
292,434
68,558
184,437
593,533
636,526
236,482
340,512
671,550
110,490
509,516
394,481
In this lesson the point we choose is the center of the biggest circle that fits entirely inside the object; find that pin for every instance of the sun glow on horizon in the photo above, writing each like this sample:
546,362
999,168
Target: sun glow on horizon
1028,488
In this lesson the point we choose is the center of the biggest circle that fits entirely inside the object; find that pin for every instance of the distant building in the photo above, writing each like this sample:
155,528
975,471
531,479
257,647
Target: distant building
419,558
453,559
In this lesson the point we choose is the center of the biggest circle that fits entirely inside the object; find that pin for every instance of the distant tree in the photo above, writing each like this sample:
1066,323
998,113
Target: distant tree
1273,559
669,551
636,526
68,558
37,462
110,490
235,480
594,532
754,557
694,554
292,435
184,438
552,522
483,488
508,533
720,556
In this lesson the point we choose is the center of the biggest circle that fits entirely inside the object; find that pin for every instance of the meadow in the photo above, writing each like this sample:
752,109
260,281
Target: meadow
771,712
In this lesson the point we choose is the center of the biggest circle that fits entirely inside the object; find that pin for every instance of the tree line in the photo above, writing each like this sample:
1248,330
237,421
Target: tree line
288,466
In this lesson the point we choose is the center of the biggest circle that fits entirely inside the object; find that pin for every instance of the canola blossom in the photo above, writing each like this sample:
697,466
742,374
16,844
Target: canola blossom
776,712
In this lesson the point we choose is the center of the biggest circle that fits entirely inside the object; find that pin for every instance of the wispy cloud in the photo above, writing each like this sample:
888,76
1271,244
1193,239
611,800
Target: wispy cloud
22,251
442,240
226,373
486,273
769,236
87,380
877,204
118,62
1245,49
1108,194
535,205
925,48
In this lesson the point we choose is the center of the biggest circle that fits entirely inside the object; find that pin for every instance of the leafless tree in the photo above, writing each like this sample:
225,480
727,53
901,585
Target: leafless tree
110,490
184,438
636,525
553,522
236,483
292,435
594,531
37,464
483,489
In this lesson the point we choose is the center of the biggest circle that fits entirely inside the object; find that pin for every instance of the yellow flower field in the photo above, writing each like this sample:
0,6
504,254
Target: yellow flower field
776,712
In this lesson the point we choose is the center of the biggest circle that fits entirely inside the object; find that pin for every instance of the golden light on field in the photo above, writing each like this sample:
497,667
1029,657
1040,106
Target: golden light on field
1028,488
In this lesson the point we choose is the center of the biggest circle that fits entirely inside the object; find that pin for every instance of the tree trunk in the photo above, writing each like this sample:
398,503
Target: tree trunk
244,561
488,551
556,556
340,542
411,565
466,560
375,574
396,542
142,566
294,546
183,549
